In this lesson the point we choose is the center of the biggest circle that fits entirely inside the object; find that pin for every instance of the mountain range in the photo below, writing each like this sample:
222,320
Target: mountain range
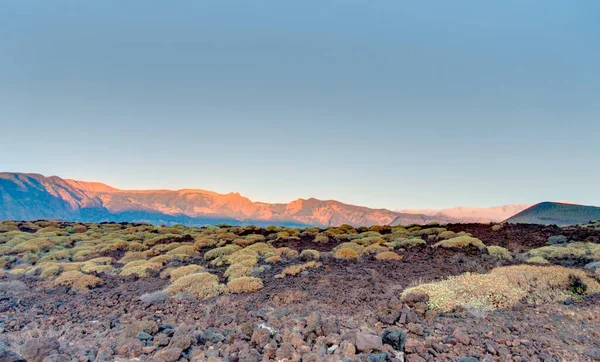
27,196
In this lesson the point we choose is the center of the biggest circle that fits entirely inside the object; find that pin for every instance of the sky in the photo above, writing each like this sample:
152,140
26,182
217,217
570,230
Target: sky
394,104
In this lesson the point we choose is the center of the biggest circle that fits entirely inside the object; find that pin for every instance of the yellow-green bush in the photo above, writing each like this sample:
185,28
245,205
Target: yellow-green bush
447,234
184,250
96,268
200,285
240,269
293,270
409,243
286,252
388,255
460,242
321,238
375,248
244,285
310,254
358,249
499,252
505,286
132,256
566,251
180,272
143,270
537,260
222,251
345,253
77,280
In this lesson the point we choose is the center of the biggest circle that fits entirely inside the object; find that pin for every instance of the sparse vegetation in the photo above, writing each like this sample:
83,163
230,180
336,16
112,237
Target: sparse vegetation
244,285
460,242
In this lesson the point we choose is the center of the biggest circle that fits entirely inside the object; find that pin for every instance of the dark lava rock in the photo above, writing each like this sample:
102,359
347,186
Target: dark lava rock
143,336
395,337
36,349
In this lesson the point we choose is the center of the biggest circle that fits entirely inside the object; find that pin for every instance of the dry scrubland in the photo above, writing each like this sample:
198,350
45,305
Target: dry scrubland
457,292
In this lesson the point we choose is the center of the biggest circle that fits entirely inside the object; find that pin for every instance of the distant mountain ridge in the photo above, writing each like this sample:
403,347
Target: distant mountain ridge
474,214
34,196
556,213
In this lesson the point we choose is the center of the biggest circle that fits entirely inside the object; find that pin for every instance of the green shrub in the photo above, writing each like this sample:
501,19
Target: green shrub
222,251
244,285
460,242
200,285
499,252
310,254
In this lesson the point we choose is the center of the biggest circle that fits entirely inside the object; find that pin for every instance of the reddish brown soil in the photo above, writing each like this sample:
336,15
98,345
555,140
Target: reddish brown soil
309,314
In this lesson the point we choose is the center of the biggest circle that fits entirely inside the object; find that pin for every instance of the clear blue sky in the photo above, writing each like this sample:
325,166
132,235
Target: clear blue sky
390,104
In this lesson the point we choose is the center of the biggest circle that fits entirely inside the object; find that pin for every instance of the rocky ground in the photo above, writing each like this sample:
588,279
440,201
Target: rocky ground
345,310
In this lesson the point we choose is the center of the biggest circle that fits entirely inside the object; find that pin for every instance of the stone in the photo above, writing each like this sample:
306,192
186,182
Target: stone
366,342
413,345
183,341
415,358
467,359
416,329
168,354
462,337
395,337
346,349
143,336
36,349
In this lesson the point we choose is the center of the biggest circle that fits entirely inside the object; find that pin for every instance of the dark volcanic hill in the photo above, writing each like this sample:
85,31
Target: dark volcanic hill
549,213
33,196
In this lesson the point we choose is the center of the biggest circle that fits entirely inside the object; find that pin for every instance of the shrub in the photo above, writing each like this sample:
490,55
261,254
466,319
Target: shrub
49,270
497,227
244,285
537,260
430,231
485,291
161,259
104,260
557,239
321,238
375,248
286,252
263,249
182,271
310,254
77,280
135,246
409,243
200,285
293,270
460,242
96,268
144,270
273,259
240,269
345,253
499,252
184,250
505,286
388,255
566,251
205,242
30,258
447,234
132,256
241,255
548,283
222,251
358,249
